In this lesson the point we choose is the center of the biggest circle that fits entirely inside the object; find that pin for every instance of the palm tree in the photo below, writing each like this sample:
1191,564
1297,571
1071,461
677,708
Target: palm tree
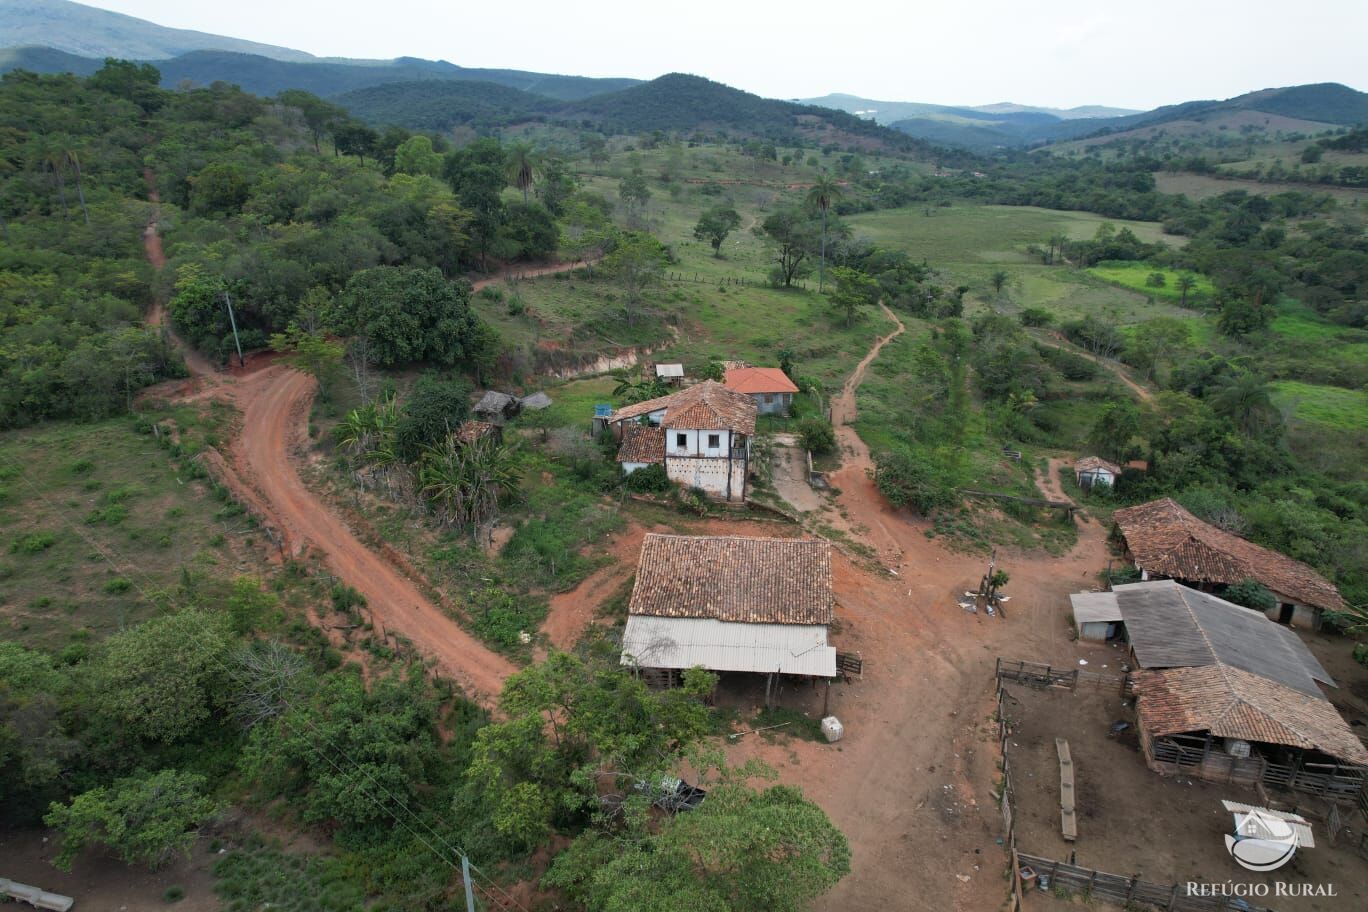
1185,284
999,280
825,193
524,168
1245,402
80,190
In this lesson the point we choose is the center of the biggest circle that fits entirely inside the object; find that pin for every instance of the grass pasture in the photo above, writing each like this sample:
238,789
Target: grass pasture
72,494
1136,276
1329,406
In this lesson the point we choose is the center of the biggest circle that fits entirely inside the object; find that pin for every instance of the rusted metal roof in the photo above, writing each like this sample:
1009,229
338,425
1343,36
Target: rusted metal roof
706,406
1231,703
1172,626
1167,540
642,443
752,380
743,580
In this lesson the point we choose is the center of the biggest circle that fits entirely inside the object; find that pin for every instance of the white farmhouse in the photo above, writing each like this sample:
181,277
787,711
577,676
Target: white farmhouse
702,434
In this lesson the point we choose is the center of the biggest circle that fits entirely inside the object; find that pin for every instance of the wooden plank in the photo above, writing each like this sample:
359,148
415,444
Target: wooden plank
1068,820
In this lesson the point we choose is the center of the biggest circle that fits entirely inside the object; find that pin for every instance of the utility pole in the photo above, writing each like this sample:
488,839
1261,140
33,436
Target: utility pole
465,878
242,362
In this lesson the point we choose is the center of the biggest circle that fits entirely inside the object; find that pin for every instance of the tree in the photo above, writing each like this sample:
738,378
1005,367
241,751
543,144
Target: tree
793,237
854,290
636,264
715,224
313,353
1244,401
999,280
634,192
319,116
1185,283
158,680
816,435
415,156
145,818
434,409
1116,424
741,850
524,168
409,314
1156,341
824,193
34,748
477,175
1251,593
907,477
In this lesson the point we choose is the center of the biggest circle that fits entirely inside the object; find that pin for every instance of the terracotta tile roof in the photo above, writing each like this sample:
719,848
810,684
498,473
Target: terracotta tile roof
745,580
751,380
1231,703
1167,540
706,406
641,443
1093,463
471,431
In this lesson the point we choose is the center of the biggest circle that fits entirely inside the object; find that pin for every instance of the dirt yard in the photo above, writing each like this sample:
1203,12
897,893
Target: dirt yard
1132,820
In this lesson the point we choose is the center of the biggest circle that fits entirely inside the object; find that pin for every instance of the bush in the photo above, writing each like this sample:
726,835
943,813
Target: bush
1036,316
1251,594
817,435
908,478
33,543
1361,654
650,480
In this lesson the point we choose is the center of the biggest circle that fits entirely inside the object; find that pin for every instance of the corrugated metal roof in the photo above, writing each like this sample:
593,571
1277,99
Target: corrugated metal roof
1095,607
669,371
1172,626
1311,663
664,642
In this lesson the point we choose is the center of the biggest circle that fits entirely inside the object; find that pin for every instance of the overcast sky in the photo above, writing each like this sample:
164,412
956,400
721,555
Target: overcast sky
1055,52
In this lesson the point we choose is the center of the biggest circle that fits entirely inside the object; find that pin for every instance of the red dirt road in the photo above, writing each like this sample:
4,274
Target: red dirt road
275,402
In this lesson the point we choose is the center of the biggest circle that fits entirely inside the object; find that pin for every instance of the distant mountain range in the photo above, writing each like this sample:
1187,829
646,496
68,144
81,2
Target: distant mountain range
50,36
1309,108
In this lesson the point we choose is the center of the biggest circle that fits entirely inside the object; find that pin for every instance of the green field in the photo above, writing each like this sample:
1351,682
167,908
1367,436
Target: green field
99,522
1136,276
1329,406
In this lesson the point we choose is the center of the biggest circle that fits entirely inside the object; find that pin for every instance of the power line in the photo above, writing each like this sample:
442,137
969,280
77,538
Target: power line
498,894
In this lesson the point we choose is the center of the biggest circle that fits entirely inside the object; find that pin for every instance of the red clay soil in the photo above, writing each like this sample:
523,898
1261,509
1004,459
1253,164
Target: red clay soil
571,613
275,404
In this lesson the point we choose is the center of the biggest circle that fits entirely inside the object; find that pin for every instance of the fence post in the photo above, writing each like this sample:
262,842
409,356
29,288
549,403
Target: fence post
1173,898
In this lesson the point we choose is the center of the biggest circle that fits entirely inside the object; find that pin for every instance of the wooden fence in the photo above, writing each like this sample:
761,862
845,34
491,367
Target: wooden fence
1129,892
1193,756
1038,674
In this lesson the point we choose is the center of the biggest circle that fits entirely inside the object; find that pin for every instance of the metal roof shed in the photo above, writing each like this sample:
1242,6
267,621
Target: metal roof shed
1095,614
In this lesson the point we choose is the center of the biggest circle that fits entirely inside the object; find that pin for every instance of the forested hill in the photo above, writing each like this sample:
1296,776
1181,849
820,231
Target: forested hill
1306,107
673,103
263,75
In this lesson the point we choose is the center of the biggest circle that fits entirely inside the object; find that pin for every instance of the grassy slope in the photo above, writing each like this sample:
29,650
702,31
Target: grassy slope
102,489
1330,406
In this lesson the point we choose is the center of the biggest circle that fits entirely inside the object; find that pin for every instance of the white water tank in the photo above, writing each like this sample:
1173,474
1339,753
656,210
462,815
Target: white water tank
832,728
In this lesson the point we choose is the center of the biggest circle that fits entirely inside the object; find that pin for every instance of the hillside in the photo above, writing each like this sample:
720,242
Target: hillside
890,112
672,103
96,33
1307,108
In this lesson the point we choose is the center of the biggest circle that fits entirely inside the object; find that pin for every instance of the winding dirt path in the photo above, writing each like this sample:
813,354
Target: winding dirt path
275,404
865,512
1054,340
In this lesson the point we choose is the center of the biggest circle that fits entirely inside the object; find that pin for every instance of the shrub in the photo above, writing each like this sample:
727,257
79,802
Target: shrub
1251,594
173,894
816,434
1036,316
118,585
908,478
650,480
1361,654
345,598
33,543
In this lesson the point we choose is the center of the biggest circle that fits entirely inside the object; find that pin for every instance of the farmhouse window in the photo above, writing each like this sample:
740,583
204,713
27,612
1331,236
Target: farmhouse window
769,398
681,440
714,441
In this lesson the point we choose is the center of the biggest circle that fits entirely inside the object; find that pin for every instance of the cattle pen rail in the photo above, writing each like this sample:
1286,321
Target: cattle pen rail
1129,892
1038,674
